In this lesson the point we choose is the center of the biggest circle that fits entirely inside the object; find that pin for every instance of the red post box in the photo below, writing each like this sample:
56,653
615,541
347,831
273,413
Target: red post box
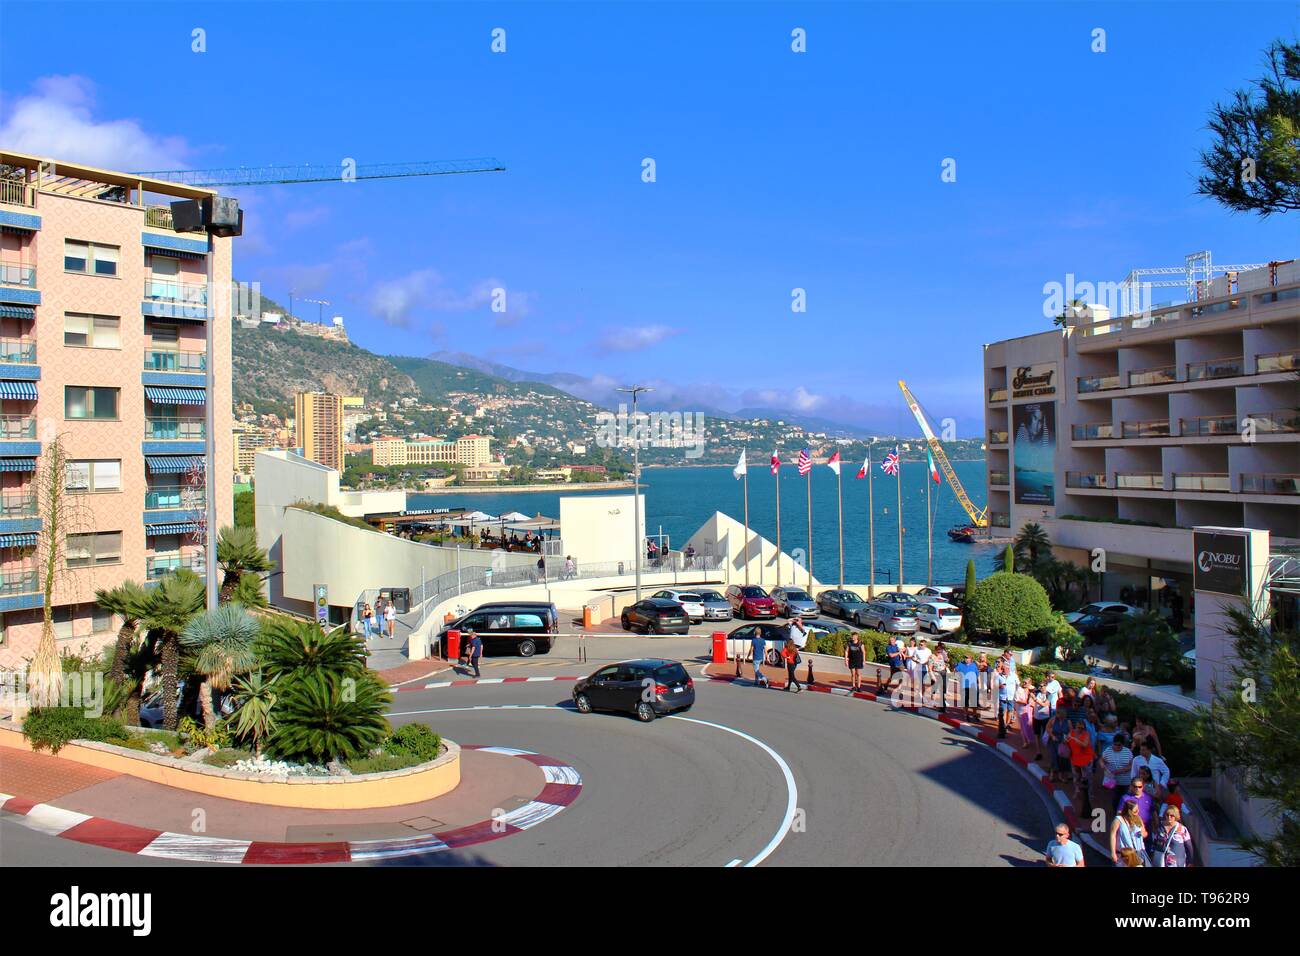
719,647
453,645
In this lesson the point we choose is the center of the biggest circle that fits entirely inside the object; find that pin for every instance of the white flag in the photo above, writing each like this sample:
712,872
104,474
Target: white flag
741,468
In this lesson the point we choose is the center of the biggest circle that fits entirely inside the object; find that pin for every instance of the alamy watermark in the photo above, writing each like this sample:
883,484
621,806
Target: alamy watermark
1120,298
81,689
621,429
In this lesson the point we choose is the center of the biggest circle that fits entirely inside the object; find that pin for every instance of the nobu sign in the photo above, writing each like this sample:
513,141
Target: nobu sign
1033,381
1221,561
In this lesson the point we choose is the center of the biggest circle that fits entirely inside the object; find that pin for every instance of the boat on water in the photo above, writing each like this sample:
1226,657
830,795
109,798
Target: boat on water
968,534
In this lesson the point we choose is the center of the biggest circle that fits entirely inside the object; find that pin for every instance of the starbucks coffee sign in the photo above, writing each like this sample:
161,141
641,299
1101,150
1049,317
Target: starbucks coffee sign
1034,381
1221,561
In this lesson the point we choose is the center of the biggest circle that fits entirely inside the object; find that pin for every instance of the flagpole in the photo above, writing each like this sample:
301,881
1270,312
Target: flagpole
745,479
929,532
899,482
839,493
871,525
778,520
810,548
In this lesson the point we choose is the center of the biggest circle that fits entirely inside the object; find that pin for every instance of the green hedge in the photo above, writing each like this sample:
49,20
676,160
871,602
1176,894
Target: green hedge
1008,605
414,740
53,727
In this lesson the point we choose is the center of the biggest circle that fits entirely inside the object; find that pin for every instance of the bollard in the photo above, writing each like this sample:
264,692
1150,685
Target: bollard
586,616
810,680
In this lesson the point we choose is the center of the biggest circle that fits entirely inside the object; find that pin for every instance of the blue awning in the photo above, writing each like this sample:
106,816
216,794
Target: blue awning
176,527
25,391
17,464
172,395
11,311
17,540
172,464
175,253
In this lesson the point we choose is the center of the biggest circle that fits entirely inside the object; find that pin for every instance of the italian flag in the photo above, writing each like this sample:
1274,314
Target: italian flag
934,472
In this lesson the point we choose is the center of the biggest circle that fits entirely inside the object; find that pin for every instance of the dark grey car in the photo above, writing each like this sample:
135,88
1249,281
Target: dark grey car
843,604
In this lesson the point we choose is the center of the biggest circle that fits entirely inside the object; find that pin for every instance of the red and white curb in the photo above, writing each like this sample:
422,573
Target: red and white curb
975,731
563,784
485,680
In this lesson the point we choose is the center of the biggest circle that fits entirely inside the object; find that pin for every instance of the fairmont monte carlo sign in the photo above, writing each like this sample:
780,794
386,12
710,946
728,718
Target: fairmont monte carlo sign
1034,381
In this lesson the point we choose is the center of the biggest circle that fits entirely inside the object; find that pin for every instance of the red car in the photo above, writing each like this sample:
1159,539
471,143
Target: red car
750,601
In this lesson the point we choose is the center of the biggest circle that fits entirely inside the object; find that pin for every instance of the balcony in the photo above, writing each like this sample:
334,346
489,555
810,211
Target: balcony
1086,479
18,351
1156,428
997,395
1216,368
174,292
1093,431
18,504
1278,362
1205,481
175,429
15,192
1263,484
999,478
998,438
1098,383
17,427
14,581
159,217
1162,375
1206,426
171,497
15,273
1139,481
1282,421
999,519
160,565
173,360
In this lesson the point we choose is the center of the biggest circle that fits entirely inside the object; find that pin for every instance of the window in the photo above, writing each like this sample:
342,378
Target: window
92,331
83,476
83,401
90,258
85,550
80,620
165,335
528,620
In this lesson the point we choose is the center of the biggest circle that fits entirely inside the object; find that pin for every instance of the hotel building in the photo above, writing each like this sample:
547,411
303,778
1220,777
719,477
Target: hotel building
472,451
1125,433
318,427
103,308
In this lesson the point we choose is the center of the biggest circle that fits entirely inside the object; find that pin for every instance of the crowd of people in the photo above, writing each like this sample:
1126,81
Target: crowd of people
379,619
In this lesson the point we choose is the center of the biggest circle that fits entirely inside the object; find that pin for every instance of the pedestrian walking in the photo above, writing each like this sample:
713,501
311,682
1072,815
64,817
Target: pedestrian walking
390,618
475,646
986,678
1138,796
1063,851
1155,763
939,673
854,658
790,654
896,655
1117,762
1128,836
1058,751
1171,843
968,674
368,620
1025,712
1052,687
1006,681
758,647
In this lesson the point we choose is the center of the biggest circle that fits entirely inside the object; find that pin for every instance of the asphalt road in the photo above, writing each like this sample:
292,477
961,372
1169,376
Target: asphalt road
749,776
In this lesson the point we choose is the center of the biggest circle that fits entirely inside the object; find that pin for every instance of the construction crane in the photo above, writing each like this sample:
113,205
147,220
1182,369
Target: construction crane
978,516
344,171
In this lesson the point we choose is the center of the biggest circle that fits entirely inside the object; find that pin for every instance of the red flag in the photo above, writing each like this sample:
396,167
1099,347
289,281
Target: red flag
834,462
866,466
776,462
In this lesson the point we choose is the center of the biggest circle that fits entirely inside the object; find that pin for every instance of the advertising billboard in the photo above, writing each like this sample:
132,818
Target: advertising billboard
1033,451
1033,382
1221,561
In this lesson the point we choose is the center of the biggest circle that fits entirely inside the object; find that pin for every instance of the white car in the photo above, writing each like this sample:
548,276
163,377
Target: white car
1111,608
937,592
938,617
690,601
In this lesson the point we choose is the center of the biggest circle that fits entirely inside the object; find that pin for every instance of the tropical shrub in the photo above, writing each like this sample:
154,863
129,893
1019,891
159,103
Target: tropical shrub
383,762
291,649
255,718
52,727
322,717
414,740
1061,639
1010,606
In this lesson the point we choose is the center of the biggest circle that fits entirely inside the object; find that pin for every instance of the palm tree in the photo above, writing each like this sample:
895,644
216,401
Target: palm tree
1033,542
221,641
129,601
237,553
176,599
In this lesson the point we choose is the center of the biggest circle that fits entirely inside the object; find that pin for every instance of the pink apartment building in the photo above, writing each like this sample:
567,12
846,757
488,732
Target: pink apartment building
103,311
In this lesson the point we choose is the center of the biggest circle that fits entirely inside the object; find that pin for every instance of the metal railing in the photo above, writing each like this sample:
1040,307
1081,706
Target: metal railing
16,273
17,427
19,581
998,437
1279,421
1140,480
15,192
1092,431
174,360
1206,425
175,429
1161,375
997,395
18,504
1085,479
160,565
1098,383
171,290
1215,368
1277,362
1155,428
18,351
1000,478
162,497
159,217
1264,484
1202,481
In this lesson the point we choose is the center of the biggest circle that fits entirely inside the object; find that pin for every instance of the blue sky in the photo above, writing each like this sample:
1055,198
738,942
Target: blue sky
775,171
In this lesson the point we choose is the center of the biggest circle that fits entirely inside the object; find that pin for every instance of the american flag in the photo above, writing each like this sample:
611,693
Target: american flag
805,462
890,465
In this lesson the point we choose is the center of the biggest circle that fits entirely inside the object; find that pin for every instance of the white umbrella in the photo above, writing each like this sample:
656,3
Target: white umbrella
479,516
515,516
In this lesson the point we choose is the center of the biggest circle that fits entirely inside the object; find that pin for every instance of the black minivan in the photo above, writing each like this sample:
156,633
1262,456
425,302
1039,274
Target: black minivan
520,627
649,688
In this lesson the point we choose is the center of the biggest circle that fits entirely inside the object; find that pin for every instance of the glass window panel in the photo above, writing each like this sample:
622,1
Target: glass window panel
76,476
107,332
75,255
105,260
76,402
108,547
164,266
105,403
76,329
108,475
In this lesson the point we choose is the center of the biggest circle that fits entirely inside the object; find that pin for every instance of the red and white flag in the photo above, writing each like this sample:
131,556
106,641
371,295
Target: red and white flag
805,461
866,466
834,463
776,462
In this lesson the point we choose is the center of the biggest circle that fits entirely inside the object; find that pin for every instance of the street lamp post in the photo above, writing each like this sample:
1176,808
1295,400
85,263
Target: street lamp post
638,544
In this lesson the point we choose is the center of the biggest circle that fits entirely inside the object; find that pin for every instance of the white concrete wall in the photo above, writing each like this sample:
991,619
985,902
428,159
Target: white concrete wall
724,536
599,528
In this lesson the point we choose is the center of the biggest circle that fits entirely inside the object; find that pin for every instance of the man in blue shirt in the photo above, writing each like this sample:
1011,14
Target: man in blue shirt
969,677
895,654
1063,851
475,651
758,644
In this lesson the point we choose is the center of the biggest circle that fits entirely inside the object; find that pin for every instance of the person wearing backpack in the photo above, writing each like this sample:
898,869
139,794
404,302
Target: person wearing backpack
790,654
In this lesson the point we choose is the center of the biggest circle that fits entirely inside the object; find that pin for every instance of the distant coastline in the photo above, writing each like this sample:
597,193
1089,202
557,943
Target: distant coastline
563,486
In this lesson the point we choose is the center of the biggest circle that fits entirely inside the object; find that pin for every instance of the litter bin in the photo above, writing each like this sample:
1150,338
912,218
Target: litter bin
453,645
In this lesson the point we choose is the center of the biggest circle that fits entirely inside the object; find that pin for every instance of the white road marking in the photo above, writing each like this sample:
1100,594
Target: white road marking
53,820
733,863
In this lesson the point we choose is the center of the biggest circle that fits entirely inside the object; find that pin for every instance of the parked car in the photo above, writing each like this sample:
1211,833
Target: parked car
774,635
1101,607
900,598
522,627
716,607
656,616
938,617
649,688
840,603
937,592
889,618
689,600
750,601
1097,628
793,602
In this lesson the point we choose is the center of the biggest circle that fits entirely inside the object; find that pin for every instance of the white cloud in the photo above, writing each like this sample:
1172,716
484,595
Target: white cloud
632,338
57,119
396,300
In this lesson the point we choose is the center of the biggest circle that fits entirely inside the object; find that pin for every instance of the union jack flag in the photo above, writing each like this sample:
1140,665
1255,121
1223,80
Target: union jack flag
805,462
890,465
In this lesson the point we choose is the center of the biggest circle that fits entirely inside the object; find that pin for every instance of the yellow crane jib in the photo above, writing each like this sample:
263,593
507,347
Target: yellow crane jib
978,516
